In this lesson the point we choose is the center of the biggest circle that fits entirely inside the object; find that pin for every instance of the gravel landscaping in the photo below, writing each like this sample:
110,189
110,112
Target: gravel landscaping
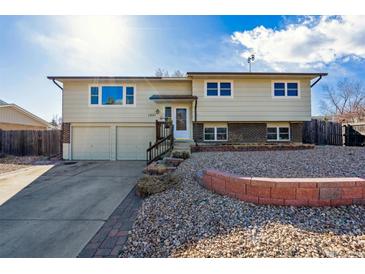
190,221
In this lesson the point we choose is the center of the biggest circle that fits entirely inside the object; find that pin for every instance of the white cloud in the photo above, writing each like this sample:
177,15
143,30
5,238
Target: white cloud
90,44
311,43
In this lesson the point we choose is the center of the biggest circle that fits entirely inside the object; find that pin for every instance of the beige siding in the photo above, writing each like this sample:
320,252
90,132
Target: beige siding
76,102
9,115
252,101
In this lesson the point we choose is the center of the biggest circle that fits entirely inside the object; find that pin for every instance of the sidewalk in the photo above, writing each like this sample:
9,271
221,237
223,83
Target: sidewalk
12,182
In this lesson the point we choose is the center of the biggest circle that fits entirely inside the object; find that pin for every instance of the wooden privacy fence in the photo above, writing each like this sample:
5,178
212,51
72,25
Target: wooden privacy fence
30,142
320,132
354,135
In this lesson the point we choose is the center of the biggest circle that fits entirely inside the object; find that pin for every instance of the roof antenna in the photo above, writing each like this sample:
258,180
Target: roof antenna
250,60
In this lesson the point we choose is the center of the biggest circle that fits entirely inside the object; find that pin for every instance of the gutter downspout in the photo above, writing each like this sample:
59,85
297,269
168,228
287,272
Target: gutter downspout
320,77
57,84
195,117
62,129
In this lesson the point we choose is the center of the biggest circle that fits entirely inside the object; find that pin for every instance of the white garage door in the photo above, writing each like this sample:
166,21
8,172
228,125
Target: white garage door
132,142
91,143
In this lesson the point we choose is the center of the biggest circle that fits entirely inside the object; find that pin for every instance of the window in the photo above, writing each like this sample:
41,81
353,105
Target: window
225,89
209,134
278,134
129,97
221,133
283,133
272,133
212,89
215,134
94,95
286,89
112,95
279,89
292,89
219,89
168,113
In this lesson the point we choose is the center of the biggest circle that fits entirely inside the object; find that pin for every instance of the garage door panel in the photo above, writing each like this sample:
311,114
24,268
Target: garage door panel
132,142
91,143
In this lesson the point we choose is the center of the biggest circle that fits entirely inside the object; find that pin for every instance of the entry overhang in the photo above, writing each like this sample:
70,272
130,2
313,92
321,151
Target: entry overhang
172,98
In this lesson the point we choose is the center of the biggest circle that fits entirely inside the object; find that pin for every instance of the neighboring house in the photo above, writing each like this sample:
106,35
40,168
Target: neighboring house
113,118
13,117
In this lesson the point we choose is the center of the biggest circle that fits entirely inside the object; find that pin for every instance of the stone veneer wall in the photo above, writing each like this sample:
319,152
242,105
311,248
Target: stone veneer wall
287,191
66,133
246,133
198,131
296,132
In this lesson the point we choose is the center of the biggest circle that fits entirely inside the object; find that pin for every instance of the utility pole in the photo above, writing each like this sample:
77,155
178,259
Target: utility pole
250,60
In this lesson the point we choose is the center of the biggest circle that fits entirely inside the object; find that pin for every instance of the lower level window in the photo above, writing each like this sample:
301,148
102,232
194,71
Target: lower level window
278,134
215,134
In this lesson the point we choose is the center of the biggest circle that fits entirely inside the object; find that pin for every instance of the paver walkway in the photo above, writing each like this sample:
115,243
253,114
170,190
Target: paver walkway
109,240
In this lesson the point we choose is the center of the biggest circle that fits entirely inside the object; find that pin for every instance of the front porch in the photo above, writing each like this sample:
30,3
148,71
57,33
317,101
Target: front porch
180,111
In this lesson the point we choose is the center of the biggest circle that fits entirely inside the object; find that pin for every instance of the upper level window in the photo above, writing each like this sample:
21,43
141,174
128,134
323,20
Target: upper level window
94,95
129,97
212,89
225,89
217,88
292,89
112,95
286,89
279,89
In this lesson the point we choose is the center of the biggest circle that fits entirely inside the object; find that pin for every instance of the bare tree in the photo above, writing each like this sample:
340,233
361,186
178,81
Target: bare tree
178,73
161,73
56,121
346,102
165,73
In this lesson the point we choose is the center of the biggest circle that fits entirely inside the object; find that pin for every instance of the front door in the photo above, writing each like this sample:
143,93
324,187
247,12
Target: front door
181,130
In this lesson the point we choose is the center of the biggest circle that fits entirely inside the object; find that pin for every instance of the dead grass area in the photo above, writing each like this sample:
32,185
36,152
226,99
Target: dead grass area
152,184
10,163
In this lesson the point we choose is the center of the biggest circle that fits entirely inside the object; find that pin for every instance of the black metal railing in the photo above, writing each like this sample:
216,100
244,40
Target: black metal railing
163,129
160,147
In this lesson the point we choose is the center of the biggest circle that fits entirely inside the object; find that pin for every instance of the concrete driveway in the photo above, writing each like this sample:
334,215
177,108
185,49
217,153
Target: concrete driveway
59,212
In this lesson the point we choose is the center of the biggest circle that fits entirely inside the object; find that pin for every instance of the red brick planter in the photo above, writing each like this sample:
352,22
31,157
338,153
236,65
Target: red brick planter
287,191
259,147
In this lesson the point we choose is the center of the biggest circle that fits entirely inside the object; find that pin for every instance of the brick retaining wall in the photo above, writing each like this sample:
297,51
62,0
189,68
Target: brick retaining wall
287,191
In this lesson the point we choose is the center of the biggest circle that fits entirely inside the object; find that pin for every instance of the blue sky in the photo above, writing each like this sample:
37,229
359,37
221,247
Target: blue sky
33,47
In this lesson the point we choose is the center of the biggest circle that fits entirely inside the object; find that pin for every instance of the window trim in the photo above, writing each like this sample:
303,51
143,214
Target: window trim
125,97
100,93
164,112
219,88
286,89
90,96
278,134
215,133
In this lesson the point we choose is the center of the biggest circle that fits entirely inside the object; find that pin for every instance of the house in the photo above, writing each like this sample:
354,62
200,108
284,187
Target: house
113,118
13,117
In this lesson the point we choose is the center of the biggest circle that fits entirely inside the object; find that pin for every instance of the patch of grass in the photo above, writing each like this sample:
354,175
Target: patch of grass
152,184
